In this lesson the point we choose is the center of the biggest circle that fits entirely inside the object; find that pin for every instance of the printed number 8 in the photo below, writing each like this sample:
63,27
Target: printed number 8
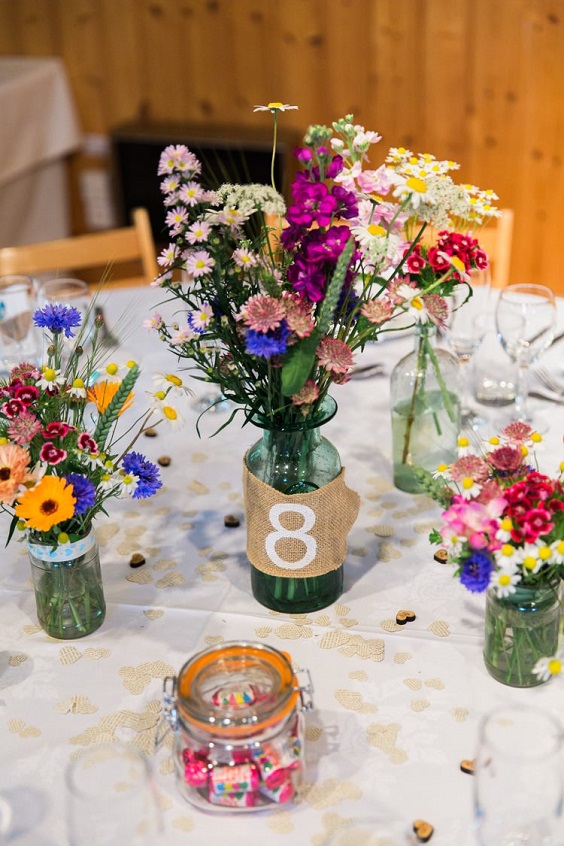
302,534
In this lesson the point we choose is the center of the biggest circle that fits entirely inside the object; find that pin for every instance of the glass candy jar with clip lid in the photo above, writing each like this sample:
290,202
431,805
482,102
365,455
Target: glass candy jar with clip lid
237,713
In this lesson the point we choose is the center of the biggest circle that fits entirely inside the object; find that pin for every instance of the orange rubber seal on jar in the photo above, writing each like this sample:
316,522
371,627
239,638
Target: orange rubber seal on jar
233,658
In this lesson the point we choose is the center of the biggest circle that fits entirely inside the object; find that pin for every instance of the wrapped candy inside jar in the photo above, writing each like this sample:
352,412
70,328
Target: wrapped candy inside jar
237,712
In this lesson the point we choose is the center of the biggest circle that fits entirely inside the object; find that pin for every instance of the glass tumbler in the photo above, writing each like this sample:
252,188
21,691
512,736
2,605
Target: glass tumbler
518,789
111,798
19,339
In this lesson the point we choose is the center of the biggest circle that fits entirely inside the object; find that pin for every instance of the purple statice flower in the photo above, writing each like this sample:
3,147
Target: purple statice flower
58,318
145,472
83,491
267,344
476,572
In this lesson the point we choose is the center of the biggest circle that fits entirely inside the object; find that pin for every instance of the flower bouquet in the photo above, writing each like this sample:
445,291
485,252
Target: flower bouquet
503,529
276,302
62,457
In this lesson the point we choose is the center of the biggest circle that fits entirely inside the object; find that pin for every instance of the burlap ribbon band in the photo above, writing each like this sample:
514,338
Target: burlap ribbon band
301,535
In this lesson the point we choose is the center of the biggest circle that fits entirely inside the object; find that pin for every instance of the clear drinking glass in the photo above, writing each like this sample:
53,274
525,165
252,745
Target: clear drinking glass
526,323
19,339
518,782
111,798
70,292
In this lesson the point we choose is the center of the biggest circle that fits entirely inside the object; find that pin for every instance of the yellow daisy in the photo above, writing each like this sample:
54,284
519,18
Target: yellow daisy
47,504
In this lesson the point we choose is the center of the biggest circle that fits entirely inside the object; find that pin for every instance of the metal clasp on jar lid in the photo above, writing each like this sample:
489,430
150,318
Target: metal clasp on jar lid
305,690
169,718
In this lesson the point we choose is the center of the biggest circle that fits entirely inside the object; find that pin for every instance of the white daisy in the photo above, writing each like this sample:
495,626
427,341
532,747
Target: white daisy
274,107
545,668
503,581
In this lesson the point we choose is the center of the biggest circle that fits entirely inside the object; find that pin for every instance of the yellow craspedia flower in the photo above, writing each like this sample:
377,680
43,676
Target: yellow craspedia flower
131,363
111,369
536,437
47,504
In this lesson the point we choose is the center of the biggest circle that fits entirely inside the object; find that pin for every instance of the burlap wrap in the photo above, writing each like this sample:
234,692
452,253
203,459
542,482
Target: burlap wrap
298,535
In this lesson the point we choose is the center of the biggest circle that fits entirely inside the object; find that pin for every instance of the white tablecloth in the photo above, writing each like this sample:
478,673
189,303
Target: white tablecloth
39,129
396,708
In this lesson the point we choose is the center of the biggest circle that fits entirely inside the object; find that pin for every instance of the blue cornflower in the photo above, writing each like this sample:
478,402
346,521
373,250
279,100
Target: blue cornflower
58,318
145,473
267,344
476,572
83,491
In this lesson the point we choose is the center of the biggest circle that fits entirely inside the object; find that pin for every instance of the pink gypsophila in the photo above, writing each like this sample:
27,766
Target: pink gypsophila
475,521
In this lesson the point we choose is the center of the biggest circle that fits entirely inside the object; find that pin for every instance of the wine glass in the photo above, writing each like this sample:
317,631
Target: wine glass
526,323
111,798
465,330
518,781
19,340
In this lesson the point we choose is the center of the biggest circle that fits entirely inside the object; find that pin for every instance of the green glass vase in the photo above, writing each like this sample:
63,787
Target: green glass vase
520,629
425,405
294,458
68,587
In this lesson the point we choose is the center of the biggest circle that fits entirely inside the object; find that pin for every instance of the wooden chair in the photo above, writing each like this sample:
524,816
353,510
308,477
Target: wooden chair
122,257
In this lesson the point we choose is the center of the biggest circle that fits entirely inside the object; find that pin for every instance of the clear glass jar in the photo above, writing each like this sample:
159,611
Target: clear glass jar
237,715
67,581
520,629
294,458
425,406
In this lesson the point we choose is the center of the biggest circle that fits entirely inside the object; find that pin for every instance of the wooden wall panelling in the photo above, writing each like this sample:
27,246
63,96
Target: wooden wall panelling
38,33
122,61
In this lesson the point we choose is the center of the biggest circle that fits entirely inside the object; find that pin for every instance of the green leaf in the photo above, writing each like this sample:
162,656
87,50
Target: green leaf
299,363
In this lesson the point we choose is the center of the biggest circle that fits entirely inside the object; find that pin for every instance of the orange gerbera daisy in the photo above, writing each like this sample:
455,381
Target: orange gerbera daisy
102,393
48,503
14,471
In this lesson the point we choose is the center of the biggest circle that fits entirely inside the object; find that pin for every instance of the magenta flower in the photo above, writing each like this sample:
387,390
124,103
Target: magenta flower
56,429
475,521
51,454
87,443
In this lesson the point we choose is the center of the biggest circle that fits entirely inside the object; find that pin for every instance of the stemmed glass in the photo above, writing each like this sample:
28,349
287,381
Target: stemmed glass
526,323
518,783
465,330
111,798
19,340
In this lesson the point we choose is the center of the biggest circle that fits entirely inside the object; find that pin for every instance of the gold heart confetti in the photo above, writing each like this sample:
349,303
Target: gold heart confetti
69,655
214,640
389,626
105,533
16,660
95,654
437,684
31,629
78,704
402,657
140,577
263,631
198,488
419,704
164,564
413,684
358,675
313,733
440,628
153,613
322,620
170,580
183,823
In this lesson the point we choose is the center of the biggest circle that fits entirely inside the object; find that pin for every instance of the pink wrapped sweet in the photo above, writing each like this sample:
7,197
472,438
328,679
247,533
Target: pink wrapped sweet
246,799
281,793
196,769
273,763
243,778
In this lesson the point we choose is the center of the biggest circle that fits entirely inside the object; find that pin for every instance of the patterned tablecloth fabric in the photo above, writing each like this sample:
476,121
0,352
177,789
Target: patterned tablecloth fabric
396,707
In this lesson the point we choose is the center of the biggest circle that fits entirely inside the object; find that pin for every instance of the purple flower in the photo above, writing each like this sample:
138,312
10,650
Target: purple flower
335,167
348,207
58,318
476,572
267,344
83,491
312,202
146,475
